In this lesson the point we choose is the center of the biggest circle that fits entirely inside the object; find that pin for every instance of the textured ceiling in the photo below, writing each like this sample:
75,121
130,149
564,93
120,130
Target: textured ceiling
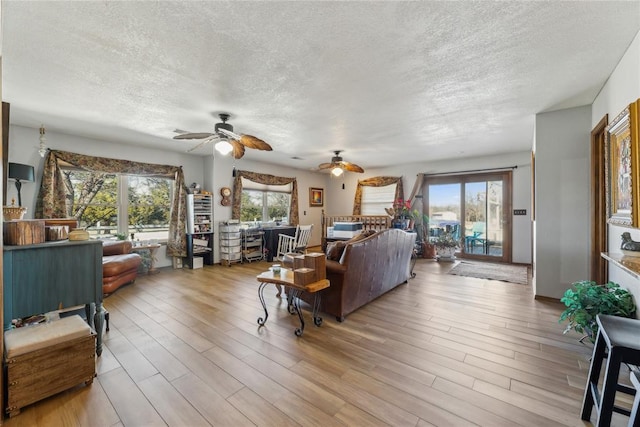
387,82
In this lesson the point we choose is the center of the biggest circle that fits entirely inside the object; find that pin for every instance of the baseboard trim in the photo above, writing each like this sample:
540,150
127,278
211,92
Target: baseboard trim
546,299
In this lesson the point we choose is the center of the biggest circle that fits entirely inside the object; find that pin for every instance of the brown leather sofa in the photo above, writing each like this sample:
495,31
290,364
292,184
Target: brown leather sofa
366,269
119,264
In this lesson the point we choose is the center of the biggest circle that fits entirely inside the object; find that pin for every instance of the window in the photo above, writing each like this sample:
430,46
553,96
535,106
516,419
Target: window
265,203
376,199
110,204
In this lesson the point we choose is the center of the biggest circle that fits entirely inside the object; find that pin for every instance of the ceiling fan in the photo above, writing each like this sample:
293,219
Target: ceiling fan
226,140
338,166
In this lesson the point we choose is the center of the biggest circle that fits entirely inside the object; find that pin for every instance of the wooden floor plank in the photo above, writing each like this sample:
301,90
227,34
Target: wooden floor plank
132,406
172,406
185,348
217,410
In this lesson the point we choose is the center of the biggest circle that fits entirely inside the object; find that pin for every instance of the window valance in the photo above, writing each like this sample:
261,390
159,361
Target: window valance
263,178
52,201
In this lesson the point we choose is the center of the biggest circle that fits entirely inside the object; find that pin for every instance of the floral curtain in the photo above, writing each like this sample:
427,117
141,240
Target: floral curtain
377,181
262,178
52,201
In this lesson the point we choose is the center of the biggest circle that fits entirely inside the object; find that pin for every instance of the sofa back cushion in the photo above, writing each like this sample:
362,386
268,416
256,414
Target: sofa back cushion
336,249
116,247
375,266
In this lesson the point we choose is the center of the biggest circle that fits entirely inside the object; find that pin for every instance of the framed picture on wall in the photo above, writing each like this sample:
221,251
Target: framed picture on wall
623,163
316,196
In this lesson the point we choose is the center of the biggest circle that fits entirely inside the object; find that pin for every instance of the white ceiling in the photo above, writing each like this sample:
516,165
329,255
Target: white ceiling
387,82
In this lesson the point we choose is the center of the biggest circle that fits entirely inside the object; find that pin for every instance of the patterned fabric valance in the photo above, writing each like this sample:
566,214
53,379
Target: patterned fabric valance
52,201
263,178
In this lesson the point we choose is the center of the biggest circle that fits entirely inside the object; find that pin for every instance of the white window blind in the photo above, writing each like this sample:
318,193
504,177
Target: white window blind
375,199
252,185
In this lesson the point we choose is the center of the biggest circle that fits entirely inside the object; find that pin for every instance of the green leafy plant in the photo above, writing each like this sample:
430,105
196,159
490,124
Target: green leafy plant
121,236
421,225
446,240
585,300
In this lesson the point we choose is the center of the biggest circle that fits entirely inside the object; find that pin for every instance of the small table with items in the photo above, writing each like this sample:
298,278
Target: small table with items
148,254
286,278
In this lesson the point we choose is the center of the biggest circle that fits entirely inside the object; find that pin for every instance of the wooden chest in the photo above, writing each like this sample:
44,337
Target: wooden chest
23,232
46,359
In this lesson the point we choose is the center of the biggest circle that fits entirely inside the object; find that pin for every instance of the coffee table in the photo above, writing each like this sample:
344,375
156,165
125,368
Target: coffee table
286,278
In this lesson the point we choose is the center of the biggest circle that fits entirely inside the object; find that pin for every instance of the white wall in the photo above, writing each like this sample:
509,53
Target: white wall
341,201
562,200
622,88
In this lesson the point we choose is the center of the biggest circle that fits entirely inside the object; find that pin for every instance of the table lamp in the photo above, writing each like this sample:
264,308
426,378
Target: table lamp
19,173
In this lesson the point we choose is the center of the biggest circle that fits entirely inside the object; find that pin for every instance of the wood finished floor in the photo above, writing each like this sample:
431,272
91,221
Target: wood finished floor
185,350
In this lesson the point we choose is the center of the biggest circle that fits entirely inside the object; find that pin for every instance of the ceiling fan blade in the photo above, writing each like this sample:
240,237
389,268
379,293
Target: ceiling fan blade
238,149
194,135
229,133
251,141
352,167
326,165
206,141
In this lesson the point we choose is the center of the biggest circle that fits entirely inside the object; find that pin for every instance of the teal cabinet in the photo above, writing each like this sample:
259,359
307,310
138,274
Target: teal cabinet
44,277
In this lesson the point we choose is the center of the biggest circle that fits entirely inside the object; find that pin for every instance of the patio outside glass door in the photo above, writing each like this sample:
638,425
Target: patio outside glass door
475,209
483,218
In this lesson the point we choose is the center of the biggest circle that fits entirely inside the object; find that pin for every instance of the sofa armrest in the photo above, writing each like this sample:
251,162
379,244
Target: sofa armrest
116,247
335,267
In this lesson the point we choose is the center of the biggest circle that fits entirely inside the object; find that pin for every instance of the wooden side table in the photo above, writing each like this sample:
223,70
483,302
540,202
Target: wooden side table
286,278
148,254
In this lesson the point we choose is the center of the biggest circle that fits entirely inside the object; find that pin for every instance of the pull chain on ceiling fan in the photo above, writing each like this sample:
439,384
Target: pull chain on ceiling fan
226,140
338,166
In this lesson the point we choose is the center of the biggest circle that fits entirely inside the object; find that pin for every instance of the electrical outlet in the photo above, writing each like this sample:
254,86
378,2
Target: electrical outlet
519,211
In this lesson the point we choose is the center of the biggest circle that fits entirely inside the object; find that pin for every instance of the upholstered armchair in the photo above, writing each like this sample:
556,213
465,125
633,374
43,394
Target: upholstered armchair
119,264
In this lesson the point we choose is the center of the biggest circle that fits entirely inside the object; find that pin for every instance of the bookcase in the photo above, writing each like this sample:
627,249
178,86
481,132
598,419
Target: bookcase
199,230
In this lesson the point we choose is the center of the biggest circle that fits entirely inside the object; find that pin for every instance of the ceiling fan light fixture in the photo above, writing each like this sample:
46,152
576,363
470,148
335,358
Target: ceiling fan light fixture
336,171
224,147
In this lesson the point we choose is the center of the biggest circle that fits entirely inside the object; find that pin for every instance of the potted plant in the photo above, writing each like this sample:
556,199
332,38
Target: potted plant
422,230
585,300
446,245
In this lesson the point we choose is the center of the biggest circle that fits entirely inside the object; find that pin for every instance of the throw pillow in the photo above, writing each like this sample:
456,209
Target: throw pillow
361,236
335,249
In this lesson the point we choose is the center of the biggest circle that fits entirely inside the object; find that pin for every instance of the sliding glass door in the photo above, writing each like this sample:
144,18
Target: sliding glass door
475,209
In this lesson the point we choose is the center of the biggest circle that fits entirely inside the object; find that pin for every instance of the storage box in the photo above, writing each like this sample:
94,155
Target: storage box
347,226
23,232
304,276
346,229
56,232
318,262
198,262
48,358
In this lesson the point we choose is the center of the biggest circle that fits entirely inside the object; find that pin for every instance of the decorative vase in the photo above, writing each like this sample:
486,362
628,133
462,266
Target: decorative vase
78,234
397,223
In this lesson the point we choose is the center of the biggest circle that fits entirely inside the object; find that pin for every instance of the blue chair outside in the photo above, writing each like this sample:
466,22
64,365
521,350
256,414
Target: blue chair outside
471,241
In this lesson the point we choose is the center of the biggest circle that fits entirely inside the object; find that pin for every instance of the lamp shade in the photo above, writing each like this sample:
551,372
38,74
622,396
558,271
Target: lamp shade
21,172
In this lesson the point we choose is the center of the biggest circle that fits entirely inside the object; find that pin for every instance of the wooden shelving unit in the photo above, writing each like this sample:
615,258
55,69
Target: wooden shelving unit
199,230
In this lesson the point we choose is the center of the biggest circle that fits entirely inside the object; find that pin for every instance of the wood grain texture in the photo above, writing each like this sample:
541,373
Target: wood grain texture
441,350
